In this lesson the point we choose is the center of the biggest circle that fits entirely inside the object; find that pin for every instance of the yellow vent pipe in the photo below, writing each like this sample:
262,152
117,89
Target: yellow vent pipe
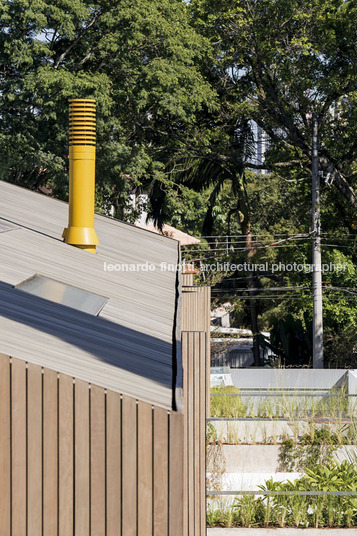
82,122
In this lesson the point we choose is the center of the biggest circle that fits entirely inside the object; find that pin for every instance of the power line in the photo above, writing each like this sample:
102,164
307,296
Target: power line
269,235
267,289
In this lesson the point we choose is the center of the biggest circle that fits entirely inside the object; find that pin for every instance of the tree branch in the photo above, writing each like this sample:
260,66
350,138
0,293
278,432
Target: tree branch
77,39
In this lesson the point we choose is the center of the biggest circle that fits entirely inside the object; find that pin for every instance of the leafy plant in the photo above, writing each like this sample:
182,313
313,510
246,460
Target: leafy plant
298,510
315,448
250,511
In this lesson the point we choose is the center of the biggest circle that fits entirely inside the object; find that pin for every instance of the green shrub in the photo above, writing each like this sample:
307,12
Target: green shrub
310,450
249,511
299,510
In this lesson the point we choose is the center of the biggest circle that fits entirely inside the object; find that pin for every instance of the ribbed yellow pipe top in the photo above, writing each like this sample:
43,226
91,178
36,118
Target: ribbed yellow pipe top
82,122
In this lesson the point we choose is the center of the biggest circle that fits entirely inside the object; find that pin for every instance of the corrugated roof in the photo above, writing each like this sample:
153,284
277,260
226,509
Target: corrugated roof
129,347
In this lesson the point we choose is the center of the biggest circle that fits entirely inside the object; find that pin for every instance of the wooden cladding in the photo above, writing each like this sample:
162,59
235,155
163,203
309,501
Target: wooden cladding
196,389
194,363
78,460
196,307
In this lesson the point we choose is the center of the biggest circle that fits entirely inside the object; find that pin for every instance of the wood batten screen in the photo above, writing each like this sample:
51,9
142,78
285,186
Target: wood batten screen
196,382
194,363
79,460
196,307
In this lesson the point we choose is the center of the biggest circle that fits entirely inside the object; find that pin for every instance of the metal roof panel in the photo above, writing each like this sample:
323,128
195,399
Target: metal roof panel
129,347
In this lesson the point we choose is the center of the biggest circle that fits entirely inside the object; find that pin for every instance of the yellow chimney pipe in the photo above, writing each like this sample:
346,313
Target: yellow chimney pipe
82,122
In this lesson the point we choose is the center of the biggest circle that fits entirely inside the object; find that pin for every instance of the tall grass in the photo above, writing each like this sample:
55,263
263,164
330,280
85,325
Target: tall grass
227,406
304,413
283,404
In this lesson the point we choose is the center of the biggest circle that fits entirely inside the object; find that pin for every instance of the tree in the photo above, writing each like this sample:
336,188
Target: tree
137,60
274,62
291,58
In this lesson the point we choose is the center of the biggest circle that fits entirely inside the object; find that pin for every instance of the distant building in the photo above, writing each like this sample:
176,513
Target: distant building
221,316
261,145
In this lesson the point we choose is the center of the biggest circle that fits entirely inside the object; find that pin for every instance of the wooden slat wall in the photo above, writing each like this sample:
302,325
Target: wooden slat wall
34,450
113,465
196,382
77,460
50,453
196,307
5,444
145,469
194,363
129,457
18,447
65,454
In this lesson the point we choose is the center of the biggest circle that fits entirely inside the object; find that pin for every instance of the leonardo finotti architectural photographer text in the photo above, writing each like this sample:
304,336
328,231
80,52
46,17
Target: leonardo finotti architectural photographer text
271,268
225,267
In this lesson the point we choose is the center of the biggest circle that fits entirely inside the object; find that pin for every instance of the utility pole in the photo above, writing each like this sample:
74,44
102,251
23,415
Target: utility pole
317,326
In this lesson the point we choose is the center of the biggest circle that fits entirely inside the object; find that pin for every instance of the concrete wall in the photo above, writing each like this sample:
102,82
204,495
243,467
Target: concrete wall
286,378
263,458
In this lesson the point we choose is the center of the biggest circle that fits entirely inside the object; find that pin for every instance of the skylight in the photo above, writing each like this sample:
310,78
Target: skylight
68,295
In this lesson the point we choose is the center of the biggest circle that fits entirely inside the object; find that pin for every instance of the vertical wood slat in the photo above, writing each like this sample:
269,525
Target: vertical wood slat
196,430
202,447
5,454
50,404
161,467
145,469
65,454
97,463
18,447
129,466
196,361
34,450
191,443
81,458
176,490
185,345
207,309
113,464
50,456
195,364
196,317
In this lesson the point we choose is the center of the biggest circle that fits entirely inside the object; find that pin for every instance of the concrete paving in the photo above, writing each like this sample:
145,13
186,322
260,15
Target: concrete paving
281,532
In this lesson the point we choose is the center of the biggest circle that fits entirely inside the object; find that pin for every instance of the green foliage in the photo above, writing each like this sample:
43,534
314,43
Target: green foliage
309,451
138,61
341,346
249,511
286,59
211,434
294,406
295,510
276,63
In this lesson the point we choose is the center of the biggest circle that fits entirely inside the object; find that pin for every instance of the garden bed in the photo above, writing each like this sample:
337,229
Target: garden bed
305,468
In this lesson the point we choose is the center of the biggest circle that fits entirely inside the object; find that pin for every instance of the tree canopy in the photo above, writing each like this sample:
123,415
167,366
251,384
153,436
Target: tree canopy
287,59
139,62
